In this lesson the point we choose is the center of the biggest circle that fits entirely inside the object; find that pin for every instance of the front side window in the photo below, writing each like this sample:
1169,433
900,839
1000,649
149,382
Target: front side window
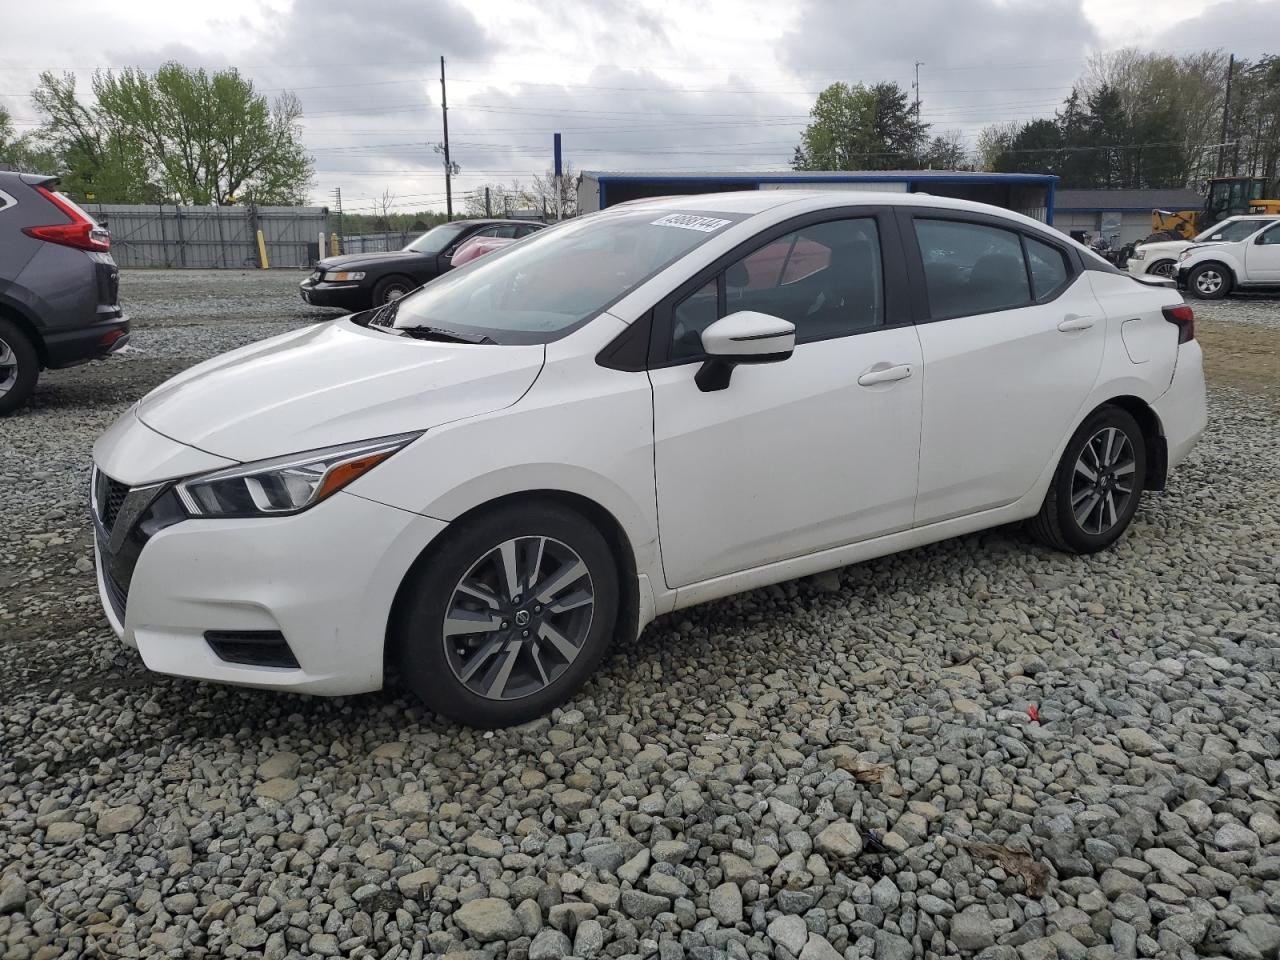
826,279
971,268
538,291
1272,236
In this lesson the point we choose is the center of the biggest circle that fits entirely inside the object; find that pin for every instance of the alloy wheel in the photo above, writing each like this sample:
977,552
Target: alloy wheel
1209,282
8,368
394,293
518,618
1163,269
1103,480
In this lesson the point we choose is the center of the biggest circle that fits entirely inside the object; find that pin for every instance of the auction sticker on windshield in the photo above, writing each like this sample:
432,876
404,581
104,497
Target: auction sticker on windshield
687,221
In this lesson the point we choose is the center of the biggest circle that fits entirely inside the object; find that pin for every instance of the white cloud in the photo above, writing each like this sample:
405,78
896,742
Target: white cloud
631,83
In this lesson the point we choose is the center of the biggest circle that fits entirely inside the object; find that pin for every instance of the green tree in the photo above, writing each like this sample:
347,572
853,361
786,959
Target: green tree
23,152
178,134
861,128
1035,147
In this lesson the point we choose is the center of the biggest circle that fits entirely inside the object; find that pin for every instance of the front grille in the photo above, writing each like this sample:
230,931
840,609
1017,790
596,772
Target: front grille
117,593
110,496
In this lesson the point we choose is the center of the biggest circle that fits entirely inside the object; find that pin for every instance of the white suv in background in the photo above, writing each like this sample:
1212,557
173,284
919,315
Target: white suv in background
1239,253
483,484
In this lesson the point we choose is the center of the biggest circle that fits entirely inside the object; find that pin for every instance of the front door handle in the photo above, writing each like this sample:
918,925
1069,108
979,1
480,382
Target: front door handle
1073,321
885,374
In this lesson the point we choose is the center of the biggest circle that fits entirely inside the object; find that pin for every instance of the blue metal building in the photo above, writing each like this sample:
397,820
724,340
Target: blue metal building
1028,193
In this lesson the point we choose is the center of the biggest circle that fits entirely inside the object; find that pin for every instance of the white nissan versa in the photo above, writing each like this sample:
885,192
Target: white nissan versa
481,485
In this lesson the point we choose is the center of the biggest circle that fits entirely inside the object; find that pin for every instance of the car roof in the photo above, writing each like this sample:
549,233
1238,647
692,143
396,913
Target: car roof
802,201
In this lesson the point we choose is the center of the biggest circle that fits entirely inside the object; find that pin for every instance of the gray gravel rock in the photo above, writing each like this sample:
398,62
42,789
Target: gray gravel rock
488,919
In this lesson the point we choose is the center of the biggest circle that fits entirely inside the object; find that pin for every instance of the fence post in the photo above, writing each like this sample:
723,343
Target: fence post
320,247
182,237
333,240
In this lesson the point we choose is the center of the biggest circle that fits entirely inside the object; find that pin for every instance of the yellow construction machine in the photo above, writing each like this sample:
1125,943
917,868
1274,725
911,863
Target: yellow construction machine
1226,197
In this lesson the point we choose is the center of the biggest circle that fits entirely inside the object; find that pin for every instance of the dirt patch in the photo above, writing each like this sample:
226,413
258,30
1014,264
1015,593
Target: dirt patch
1241,356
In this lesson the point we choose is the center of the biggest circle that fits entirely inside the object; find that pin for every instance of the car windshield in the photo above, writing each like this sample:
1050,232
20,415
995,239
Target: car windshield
437,238
1233,230
539,289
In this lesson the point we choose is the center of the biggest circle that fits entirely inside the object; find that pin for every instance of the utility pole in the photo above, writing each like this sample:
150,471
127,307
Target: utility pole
448,167
488,208
337,205
1226,113
919,64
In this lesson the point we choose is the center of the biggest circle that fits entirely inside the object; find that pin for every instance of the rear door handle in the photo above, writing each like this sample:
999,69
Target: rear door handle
1073,321
885,374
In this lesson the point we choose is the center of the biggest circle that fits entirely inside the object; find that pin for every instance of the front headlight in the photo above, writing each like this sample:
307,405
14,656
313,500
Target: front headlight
285,485
342,276
1184,255
1139,254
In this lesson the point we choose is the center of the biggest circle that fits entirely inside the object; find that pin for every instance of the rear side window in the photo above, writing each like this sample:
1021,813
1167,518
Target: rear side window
971,268
1049,273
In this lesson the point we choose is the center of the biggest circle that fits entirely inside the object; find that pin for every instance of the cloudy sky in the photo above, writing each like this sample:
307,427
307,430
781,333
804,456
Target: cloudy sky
631,84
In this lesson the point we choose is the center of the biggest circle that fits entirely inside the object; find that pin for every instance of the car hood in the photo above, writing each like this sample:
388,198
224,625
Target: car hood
333,383
350,261
1164,246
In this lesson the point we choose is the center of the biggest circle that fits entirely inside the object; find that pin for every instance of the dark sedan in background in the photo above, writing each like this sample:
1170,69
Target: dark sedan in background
358,281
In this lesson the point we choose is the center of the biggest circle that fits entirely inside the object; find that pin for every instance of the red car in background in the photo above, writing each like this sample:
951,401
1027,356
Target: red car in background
477,247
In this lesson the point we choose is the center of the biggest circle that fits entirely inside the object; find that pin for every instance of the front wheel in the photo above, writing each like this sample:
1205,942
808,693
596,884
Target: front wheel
1209,281
509,617
1097,486
1162,268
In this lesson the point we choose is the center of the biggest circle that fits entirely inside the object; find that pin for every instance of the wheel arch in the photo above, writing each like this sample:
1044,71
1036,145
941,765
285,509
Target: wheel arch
1152,435
615,535
28,326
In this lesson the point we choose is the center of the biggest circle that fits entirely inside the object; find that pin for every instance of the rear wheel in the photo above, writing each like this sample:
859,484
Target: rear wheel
509,617
391,288
1209,281
19,366
1097,486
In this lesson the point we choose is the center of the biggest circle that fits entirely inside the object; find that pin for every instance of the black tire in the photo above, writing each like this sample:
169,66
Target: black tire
428,662
1057,524
391,288
1209,281
19,366
1163,268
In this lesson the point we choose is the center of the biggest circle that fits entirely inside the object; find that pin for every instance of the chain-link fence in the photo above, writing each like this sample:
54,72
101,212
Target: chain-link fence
377,242
162,235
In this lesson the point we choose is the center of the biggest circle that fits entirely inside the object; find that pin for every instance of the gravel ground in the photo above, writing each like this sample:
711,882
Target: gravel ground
978,748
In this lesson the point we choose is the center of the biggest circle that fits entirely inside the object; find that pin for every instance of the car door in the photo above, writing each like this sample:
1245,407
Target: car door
1262,258
815,451
1012,340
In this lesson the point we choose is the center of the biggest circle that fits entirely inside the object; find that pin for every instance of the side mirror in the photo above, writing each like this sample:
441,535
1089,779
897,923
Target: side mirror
742,337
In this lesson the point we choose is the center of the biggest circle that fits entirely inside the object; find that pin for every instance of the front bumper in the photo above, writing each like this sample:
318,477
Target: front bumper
1180,277
325,579
348,296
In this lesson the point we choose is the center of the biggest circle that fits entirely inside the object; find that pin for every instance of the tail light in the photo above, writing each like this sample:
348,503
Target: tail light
81,233
1184,318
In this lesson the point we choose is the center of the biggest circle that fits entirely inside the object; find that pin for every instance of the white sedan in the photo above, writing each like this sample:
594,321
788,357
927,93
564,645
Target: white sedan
482,485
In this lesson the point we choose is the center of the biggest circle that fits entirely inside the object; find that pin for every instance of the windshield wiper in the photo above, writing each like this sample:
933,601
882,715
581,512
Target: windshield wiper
446,336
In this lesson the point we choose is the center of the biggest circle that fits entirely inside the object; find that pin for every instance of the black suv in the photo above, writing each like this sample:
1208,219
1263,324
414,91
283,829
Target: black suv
58,286
358,281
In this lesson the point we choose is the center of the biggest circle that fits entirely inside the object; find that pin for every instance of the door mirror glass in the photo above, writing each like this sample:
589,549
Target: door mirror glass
743,337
